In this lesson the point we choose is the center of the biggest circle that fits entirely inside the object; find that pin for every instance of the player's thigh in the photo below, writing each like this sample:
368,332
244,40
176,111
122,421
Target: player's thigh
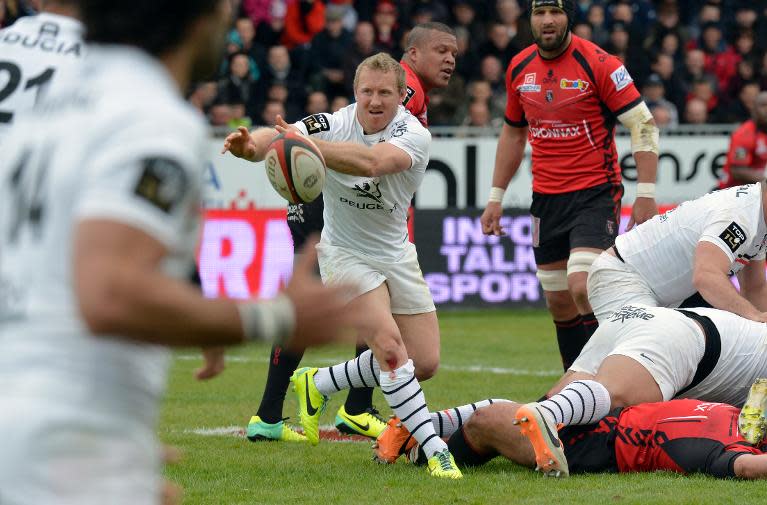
628,381
379,329
420,334
612,284
595,223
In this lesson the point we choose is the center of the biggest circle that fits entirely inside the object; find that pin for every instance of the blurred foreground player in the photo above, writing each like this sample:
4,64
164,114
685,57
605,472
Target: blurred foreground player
566,95
99,207
376,154
747,155
36,52
428,62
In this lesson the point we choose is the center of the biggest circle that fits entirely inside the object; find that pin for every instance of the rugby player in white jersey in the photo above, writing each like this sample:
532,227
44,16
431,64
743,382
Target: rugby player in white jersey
692,248
99,205
377,154
35,52
643,354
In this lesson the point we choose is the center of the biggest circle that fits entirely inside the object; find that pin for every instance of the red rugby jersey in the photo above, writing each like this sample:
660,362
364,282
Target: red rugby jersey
416,99
570,104
667,435
748,148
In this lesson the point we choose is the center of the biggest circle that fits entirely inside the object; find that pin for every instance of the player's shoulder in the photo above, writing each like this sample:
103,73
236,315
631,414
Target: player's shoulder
522,59
405,122
747,128
597,59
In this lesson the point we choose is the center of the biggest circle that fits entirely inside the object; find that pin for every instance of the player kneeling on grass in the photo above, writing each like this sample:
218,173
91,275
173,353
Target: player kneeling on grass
684,435
376,153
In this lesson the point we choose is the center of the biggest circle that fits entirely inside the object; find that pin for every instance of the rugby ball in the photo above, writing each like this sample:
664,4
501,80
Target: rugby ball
295,167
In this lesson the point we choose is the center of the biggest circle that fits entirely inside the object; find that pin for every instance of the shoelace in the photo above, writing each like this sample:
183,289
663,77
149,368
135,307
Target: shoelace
374,412
444,460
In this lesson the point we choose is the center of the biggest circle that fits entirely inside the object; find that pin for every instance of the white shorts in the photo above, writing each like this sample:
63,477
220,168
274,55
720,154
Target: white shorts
669,345
61,455
408,290
612,284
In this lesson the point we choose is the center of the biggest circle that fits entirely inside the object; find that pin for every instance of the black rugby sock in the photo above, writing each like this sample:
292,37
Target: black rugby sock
282,364
571,339
358,400
464,454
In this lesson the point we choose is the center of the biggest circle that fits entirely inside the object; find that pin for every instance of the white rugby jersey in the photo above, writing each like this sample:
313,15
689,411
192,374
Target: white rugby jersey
122,146
35,52
662,249
368,214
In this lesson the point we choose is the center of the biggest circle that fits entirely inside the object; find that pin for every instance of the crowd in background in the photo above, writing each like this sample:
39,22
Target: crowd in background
695,61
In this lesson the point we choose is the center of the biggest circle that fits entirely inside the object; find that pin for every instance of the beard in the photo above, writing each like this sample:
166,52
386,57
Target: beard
550,46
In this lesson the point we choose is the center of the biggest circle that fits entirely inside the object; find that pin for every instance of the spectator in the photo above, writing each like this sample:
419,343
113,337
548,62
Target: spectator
243,39
704,89
257,10
674,88
423,11
745,72
596,16
444,103
279,70
220,114
696,112
465,16
303,20
517,26
479,115
316,103
327,52
653,93
662,116
467,60
362,47
202,96
745,44
338,103
741,108
491,70
269,31
387,28
272,109
720,58
239,85
694,67
583,30
498,44
710,13
238,117
482,91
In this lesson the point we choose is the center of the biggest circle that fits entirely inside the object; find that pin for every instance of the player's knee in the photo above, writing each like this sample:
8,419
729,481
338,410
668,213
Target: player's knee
485,422
387,344
426,368
561,305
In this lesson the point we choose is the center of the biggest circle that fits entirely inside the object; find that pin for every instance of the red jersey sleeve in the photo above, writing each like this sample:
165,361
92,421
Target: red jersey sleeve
515,114
415,100
741,147
615,85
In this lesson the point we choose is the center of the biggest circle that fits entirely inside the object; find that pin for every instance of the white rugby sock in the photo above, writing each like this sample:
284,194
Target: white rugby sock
360,372
404,395
448,421
580,402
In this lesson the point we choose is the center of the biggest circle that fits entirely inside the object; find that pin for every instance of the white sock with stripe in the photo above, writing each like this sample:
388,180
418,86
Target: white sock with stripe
448,421
404,395
360,372
580,402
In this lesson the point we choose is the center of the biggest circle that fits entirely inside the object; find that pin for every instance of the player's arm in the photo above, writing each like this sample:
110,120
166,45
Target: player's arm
644,146
357,159
747,174
751,466
508,156
753,286
122,292
711,267
741,157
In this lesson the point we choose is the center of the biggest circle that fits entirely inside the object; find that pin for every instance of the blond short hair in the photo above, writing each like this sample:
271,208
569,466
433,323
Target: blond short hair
382,62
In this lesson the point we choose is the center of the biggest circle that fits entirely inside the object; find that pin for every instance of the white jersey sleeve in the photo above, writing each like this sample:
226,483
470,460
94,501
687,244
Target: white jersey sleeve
730,232
414,139
144,179
322,126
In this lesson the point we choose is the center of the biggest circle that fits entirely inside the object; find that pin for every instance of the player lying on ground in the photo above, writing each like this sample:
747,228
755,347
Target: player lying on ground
684,435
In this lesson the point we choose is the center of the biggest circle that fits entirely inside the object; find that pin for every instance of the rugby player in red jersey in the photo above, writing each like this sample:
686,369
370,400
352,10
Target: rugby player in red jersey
747,156
683,435
429,61
565,95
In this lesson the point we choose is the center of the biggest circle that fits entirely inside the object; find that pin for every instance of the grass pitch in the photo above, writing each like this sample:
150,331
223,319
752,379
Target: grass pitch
490,354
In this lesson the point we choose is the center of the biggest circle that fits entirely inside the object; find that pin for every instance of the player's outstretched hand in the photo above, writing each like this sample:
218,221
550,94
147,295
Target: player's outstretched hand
283,126
240,144
491,219
643,209
213,364
322,312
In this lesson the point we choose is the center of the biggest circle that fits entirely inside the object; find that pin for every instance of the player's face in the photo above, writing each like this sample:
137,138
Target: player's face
377,99
549,26
760,110
210,38
436,59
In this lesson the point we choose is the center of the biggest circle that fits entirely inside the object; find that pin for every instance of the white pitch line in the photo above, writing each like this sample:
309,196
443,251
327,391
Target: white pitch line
450,368
239,432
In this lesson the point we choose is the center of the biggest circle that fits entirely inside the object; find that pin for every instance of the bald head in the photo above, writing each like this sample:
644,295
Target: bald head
421,33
